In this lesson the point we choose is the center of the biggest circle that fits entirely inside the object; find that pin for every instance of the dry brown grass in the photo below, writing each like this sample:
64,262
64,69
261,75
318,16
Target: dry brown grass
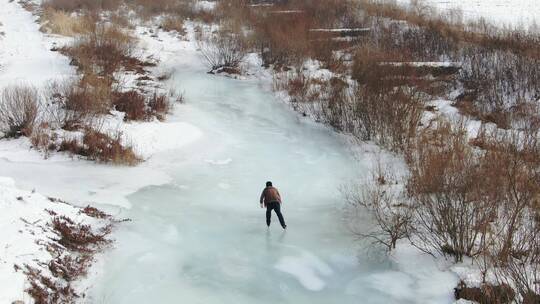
77,5
173,23
148,8
103,51
101,147
66,24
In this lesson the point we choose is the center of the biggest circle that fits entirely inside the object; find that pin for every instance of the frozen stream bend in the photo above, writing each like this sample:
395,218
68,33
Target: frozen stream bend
202,238
198,235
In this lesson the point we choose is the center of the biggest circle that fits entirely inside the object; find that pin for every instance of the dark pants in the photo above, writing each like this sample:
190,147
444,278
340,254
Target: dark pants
277,208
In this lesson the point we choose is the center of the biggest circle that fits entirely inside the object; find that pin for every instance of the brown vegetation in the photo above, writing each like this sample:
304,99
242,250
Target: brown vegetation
18,110
101,147
71,255
63,23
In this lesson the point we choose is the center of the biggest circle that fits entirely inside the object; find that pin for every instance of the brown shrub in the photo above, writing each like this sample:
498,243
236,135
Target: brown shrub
19,108
132,103
43,290
103,51
70,103
173,23
77,237
101,147
453,201
75,5
148,8
487,294
160,105
63,23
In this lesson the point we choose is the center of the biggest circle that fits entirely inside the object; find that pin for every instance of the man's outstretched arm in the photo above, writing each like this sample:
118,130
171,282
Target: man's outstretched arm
261,200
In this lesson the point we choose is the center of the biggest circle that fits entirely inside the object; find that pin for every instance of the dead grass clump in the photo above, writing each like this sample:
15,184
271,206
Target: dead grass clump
283,39
77,237
43,140
70,268
132,103
486,294
160,104
101,147
66,24
70,103
103,51
173,23
45,290
148,8
94,212
19,107
76,5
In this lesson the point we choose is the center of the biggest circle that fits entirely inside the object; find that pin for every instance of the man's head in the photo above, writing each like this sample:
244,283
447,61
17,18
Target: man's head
268,184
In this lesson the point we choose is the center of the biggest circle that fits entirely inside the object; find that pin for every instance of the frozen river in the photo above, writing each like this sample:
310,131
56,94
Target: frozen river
203,239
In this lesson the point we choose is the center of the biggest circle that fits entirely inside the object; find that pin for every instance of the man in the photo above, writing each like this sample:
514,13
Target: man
271,199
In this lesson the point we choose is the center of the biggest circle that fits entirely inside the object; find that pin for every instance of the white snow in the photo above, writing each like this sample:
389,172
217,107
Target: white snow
23,234
498,12
307,268
25,56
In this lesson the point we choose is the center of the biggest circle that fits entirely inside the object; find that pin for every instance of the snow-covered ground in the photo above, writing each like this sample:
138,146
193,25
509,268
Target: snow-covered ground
25,232
25,56
498,12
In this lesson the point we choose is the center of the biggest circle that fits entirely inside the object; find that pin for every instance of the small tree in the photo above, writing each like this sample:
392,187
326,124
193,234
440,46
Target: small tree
18,110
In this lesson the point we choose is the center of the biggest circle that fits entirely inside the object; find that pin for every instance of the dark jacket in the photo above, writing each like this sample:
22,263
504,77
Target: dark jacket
270,194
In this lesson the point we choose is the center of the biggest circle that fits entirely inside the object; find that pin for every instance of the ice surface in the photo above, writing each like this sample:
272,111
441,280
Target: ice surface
198,234
202,238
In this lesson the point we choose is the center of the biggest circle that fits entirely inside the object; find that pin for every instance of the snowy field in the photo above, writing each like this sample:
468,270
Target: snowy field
197,233
498,12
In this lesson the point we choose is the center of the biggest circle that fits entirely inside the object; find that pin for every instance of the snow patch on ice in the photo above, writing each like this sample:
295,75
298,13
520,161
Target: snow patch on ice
307,269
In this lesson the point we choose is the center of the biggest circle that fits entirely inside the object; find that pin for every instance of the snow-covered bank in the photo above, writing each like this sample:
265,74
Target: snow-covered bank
25,55
498,12
28,239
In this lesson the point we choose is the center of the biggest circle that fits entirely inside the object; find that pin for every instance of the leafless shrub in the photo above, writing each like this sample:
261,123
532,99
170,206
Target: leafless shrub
101,147
103,51
223,50
19,108
386,203
43,140
70,104
452,203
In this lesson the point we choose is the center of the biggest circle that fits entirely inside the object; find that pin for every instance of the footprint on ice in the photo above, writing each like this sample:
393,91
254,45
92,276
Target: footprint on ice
307,269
